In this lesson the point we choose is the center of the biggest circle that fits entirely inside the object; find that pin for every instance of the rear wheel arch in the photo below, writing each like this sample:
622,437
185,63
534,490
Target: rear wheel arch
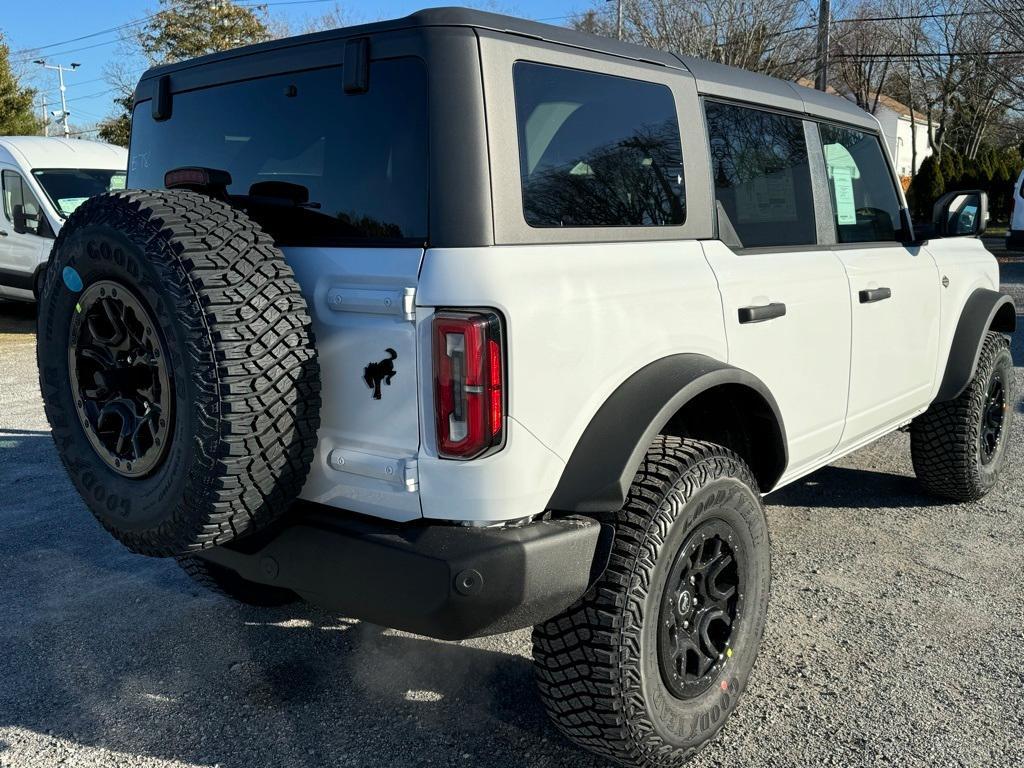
686,395
985,310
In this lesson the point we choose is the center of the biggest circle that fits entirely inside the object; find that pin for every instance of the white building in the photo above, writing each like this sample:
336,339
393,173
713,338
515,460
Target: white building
901,136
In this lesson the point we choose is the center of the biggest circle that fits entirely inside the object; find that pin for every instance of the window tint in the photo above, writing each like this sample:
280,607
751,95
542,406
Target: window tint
762,176
20,201
316,166
864,200
597,150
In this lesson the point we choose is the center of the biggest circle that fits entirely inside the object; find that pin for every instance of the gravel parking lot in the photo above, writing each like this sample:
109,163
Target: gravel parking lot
895,637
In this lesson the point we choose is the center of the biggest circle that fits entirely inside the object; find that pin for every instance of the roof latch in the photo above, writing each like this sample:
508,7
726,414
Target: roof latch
356,70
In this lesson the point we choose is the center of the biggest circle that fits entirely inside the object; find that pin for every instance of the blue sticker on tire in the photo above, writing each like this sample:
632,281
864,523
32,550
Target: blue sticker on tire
72,279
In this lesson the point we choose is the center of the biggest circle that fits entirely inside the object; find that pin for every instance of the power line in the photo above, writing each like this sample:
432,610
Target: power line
33,52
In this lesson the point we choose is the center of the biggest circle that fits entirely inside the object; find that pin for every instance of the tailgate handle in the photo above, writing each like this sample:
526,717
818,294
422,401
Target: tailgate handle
760,314
401,302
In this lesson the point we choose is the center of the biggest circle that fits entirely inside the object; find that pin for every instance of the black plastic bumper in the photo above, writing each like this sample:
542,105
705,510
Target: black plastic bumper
444,581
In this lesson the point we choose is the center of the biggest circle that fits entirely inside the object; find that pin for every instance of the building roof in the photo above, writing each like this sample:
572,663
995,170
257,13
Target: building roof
712,79
900,108
46,152
888,102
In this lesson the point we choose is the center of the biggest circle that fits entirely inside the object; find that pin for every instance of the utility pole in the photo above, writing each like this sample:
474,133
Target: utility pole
42,113
824,23
61,69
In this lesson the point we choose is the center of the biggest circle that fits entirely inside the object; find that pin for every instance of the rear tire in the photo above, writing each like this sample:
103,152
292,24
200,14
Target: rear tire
226,582
959,447
178,369
610,669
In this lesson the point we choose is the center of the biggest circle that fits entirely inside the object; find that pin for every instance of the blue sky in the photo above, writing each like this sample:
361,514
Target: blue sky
31,31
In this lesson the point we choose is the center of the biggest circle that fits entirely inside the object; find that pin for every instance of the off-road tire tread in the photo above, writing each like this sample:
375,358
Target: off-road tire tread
943,440
586,660
252,355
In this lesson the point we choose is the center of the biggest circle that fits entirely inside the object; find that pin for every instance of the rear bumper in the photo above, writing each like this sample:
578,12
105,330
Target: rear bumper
444,581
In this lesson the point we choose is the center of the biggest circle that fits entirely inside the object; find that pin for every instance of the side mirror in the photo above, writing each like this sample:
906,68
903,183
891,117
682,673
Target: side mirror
25,223
19,218
959,214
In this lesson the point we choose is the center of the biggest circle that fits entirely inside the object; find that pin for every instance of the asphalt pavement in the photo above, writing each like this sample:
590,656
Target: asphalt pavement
895,637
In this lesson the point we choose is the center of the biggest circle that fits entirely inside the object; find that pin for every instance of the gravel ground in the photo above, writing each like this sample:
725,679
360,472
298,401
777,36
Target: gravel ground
895,637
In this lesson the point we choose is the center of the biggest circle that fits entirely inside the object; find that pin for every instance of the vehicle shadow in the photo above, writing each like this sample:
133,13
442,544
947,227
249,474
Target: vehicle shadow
851,487
112,651
17,317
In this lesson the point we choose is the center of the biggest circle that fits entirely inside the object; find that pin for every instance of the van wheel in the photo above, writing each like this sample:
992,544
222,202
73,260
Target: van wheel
959,447
226,582
178,369
649,664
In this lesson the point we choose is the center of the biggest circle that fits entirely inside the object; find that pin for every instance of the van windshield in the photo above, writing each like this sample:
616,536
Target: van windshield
312,164
68,188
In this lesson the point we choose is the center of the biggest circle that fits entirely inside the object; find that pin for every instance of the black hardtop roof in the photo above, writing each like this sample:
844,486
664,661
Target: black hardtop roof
713,79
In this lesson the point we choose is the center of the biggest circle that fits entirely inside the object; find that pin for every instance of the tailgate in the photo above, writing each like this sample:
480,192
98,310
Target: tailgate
362,302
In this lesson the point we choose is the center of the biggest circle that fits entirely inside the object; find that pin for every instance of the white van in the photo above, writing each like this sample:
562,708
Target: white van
1015,232
43,180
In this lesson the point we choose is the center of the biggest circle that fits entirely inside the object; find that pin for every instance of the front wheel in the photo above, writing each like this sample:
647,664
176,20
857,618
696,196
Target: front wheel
649,664
959,447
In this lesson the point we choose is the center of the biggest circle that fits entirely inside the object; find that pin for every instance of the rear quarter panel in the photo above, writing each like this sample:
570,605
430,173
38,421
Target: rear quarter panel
580,319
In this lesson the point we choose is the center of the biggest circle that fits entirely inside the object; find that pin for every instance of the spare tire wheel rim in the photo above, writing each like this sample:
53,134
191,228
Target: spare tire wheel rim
118,370
700,609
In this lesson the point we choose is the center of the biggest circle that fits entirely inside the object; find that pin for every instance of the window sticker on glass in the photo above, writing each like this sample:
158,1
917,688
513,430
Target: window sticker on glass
846,208
767,199
842,170
68,205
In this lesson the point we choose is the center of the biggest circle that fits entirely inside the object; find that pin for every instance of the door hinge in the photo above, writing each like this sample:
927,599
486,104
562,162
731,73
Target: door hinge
402,472
401,302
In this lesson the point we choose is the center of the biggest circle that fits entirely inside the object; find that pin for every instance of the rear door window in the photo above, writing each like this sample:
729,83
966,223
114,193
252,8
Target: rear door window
863,191
312,164
762,176
597,150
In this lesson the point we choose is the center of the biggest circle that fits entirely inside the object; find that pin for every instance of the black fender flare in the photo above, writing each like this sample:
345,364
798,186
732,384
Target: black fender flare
983,311
605,460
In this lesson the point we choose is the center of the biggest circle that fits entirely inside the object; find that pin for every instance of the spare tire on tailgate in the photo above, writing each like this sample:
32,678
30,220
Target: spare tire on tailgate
178,369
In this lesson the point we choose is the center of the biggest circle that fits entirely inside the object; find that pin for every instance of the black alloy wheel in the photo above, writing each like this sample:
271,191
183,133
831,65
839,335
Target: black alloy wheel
703,600
993,417
118,370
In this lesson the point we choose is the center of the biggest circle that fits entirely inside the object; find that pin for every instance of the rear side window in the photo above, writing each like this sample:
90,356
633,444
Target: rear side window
864,200
762,177
312,164
597,150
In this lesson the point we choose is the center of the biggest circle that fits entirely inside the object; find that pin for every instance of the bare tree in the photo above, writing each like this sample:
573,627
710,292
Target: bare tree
864,51
771,36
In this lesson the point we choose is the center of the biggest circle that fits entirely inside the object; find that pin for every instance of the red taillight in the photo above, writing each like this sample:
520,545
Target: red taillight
469,397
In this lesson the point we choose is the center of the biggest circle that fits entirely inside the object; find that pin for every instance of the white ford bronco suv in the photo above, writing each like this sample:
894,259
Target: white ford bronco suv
460,324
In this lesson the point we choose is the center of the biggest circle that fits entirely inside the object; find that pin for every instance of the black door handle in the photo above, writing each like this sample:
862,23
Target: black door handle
875,294
2,233
760,314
